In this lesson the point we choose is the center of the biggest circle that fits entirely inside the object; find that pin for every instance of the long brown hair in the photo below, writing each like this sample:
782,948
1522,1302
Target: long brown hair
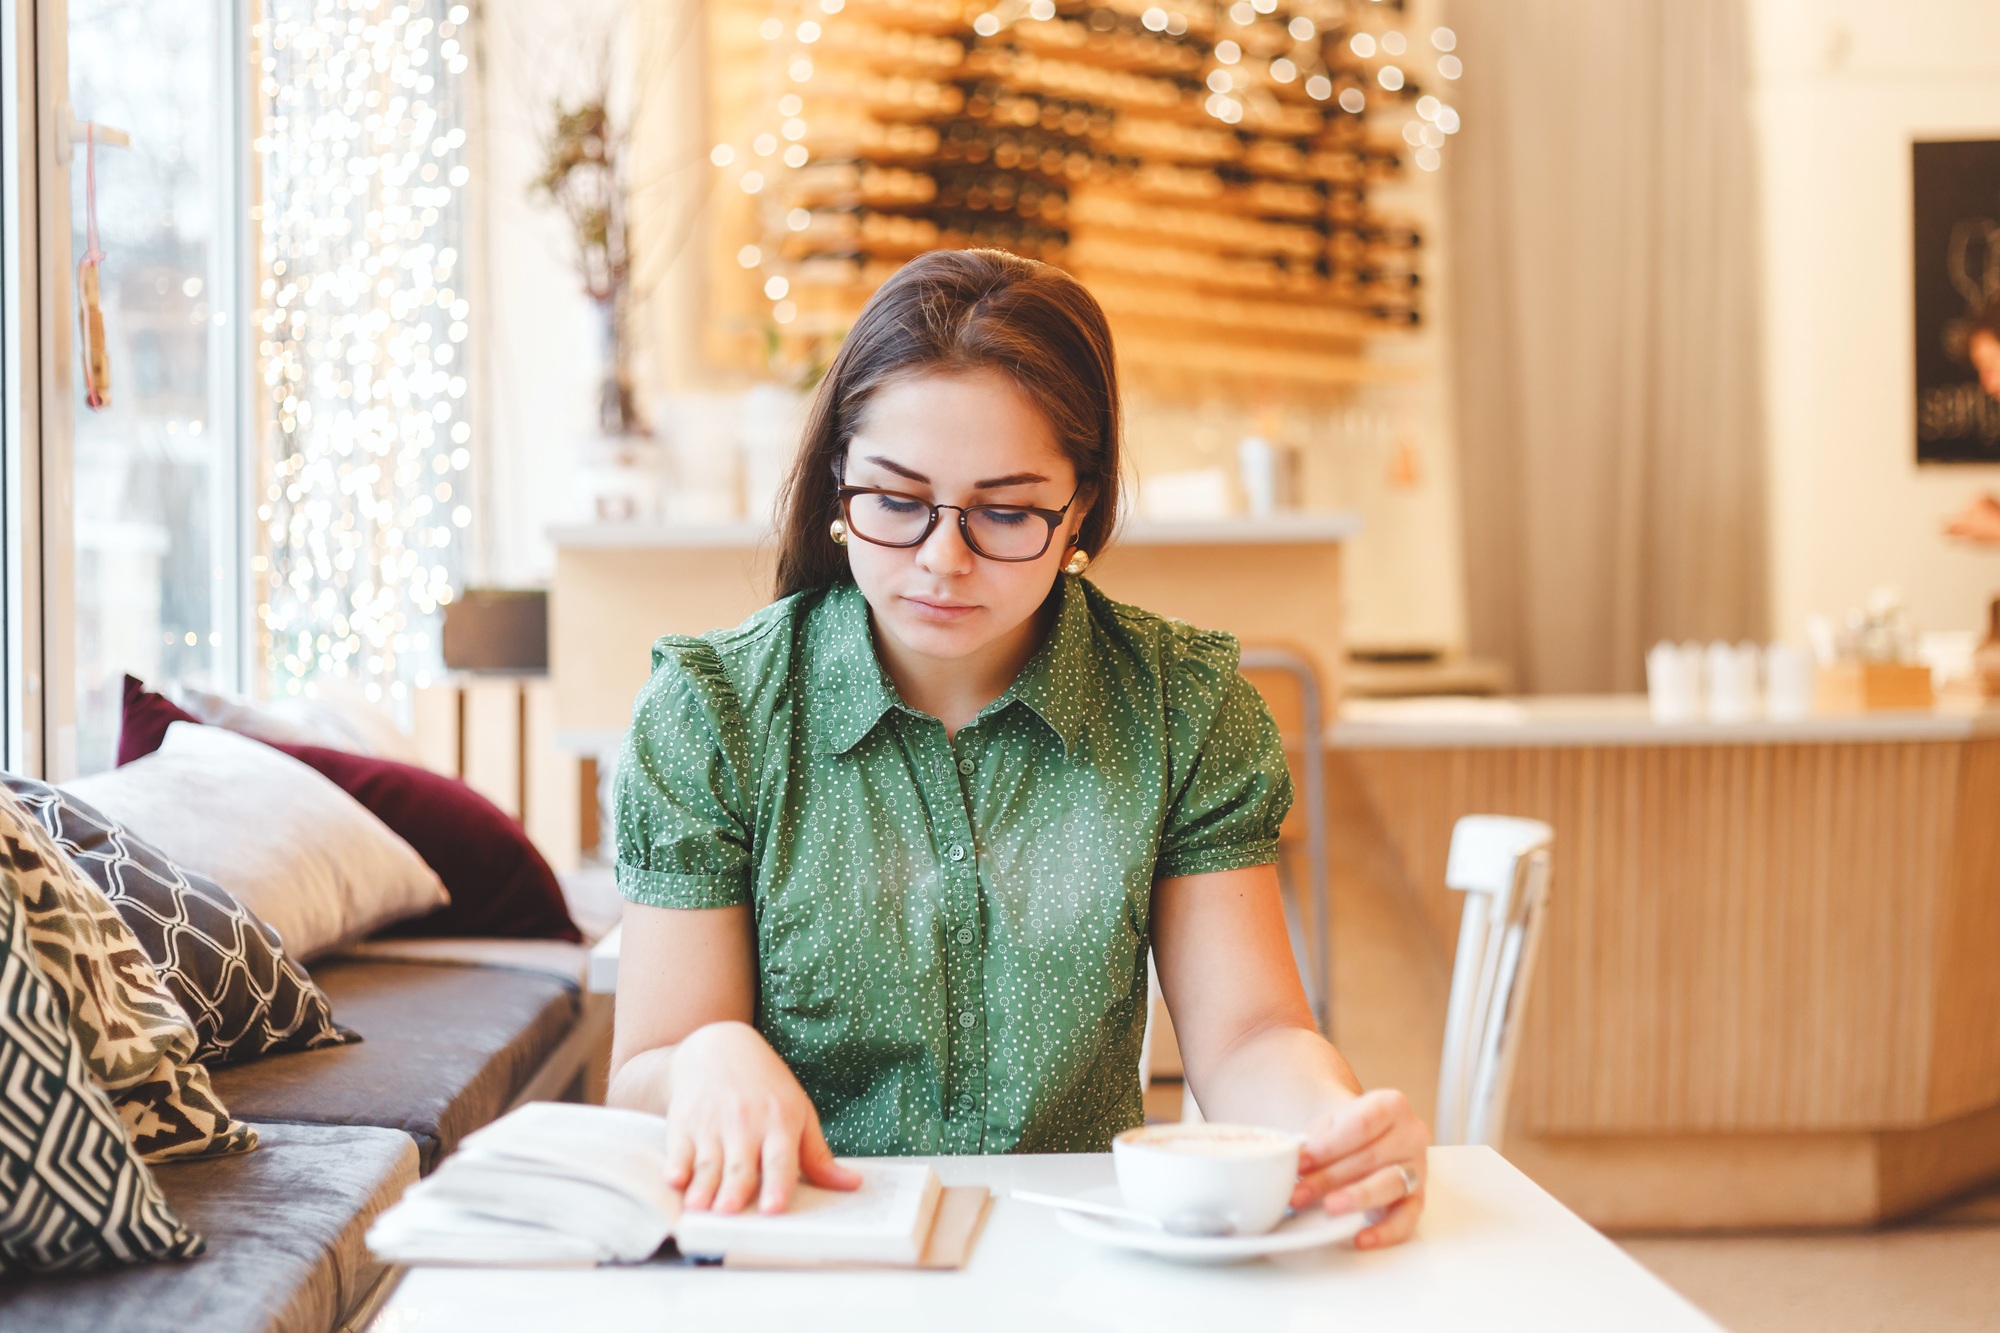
955,311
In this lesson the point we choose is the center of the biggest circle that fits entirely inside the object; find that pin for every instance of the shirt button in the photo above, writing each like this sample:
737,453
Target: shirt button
965,935
966,766
966,1020
957,851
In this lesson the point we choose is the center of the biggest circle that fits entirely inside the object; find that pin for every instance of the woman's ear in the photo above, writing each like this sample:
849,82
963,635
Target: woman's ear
1079,511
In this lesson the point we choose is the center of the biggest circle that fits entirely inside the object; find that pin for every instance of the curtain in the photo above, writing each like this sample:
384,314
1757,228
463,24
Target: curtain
1602,245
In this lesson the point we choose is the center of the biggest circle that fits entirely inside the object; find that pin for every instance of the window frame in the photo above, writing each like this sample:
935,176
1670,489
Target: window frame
38,659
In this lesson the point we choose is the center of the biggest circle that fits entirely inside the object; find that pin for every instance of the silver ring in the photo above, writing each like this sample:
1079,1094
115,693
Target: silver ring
1409,1178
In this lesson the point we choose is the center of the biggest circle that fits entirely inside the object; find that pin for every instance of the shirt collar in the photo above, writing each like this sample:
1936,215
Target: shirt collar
1061,684
851,691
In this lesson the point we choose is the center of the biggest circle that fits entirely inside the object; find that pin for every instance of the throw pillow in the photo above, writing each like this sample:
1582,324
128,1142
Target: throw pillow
73,1194
143,721
336,715
227,969
295,849
499,883
136,1041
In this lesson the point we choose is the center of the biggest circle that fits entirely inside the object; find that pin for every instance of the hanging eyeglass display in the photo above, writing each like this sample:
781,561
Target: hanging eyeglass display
89,313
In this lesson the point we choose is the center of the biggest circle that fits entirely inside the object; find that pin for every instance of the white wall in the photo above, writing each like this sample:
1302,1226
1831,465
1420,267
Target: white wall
539,339
1843,87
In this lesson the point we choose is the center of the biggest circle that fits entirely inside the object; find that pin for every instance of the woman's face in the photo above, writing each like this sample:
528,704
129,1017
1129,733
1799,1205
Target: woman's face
958,439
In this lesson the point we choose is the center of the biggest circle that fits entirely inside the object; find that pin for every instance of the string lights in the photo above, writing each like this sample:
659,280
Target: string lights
362,323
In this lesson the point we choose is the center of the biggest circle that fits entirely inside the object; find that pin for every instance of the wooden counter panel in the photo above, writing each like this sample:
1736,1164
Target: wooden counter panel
610,603
1267,596
1965,1074
1741,938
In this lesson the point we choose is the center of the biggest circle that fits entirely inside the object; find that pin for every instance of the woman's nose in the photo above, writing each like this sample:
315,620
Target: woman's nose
945,551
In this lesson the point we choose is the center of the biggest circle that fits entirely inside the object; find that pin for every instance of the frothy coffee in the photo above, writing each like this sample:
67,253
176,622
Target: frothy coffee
1211,1140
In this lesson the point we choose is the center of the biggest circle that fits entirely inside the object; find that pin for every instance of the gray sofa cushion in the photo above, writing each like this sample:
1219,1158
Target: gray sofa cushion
285,1248
445,1050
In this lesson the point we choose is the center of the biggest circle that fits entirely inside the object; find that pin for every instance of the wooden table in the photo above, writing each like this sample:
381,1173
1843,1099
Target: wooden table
1769,992
1494,1254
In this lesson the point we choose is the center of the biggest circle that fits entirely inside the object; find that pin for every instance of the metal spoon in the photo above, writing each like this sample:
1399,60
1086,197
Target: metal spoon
1180,1224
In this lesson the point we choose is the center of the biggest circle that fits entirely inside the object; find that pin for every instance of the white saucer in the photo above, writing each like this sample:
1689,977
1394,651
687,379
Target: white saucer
1302,1231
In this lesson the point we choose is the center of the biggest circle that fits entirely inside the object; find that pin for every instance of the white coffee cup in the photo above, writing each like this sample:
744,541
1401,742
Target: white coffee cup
1239,1175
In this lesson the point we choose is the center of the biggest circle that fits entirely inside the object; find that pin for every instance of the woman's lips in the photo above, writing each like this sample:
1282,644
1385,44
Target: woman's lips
938,611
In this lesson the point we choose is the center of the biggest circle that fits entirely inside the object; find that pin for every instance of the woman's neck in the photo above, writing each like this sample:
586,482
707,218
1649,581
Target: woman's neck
954,690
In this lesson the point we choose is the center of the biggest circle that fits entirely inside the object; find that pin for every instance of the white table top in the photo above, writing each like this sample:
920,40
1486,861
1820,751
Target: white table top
1622,719
1494,1254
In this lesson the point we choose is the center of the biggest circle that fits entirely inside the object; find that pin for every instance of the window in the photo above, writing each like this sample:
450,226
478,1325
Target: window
157,472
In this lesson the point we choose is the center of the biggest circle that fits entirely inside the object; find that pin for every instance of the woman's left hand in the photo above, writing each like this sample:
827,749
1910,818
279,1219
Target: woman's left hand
1351,1160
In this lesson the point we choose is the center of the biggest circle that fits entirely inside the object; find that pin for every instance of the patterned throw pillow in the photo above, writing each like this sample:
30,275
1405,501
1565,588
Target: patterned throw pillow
73,1194
137,1043
228,970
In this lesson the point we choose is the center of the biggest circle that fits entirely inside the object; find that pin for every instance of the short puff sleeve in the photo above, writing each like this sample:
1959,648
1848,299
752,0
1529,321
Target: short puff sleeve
682,821
1232,787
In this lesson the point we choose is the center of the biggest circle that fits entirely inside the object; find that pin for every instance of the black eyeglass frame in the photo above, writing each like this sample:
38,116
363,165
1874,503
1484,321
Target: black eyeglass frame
1052,517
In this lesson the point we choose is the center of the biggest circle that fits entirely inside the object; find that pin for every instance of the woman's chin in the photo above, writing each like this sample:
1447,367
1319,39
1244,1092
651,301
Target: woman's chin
942,636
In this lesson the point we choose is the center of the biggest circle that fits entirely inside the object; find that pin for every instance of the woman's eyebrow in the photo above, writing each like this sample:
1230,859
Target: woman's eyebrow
896,468
990,484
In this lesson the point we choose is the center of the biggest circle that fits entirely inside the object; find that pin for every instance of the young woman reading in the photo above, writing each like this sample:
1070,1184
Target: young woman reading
894,849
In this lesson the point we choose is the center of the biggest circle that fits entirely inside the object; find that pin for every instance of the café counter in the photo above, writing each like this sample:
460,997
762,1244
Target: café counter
1769,988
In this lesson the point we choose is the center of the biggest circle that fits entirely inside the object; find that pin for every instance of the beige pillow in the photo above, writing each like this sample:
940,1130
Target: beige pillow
337,716
137,1042
299,852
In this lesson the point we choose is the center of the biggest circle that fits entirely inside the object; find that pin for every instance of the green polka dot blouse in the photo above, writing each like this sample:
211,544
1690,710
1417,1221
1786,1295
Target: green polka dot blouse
951,932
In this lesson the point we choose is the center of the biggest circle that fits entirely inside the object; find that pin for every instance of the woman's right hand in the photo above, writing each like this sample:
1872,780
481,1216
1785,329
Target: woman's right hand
739,1126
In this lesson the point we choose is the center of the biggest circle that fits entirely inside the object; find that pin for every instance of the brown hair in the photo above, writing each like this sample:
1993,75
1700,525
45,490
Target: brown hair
955,311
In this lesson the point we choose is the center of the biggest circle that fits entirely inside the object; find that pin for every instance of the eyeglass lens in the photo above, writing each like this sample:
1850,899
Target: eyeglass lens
895,520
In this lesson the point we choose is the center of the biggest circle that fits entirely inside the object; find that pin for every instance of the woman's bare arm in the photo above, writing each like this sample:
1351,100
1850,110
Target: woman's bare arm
677,971
739,1125
1253,1053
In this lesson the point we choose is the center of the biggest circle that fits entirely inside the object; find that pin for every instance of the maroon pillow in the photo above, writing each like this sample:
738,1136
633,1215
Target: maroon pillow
499,883
143,722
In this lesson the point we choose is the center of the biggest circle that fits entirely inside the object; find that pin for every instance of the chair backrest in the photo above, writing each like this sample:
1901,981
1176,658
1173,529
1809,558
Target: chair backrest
1501,865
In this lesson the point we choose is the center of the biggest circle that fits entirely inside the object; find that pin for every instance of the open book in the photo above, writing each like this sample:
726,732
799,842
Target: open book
554,1183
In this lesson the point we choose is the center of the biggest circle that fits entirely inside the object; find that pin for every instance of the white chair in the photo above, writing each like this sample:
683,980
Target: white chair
1501,865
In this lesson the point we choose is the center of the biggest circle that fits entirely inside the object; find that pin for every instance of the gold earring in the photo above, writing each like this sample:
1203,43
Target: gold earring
1078,562
838,532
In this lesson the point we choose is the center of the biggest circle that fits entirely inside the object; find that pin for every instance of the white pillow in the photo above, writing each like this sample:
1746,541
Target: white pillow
337,716
305,856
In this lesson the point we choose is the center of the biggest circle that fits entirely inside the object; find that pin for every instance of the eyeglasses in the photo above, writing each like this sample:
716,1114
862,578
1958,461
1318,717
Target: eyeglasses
998,532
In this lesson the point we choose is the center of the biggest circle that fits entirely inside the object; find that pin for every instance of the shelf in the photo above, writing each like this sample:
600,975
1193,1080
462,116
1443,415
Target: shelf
1288,529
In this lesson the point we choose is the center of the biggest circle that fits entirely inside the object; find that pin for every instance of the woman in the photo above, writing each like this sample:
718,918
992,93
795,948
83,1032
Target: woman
894,848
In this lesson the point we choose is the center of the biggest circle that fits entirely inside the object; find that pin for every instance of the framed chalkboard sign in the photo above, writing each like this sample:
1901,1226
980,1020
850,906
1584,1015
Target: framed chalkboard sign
1956,197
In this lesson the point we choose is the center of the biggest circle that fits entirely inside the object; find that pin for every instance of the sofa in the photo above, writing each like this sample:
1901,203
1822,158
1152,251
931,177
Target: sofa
455,1033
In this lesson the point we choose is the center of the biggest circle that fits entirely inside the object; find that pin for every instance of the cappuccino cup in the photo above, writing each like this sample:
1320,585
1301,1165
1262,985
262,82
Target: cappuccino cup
1238,1175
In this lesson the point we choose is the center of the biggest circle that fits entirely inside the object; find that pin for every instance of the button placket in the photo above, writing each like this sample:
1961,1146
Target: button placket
958,874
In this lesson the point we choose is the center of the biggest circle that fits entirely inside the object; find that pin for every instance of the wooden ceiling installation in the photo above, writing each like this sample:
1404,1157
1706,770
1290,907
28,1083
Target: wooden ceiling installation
1204,168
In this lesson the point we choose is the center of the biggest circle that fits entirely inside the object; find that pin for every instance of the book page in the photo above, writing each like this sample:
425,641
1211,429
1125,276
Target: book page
886,1219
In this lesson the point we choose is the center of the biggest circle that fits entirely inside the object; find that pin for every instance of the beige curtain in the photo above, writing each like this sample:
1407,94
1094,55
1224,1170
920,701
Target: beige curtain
1604,336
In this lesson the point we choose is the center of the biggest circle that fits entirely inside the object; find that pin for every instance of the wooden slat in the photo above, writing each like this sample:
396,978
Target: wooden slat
1966,1072
553,816
1740,938
492,741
